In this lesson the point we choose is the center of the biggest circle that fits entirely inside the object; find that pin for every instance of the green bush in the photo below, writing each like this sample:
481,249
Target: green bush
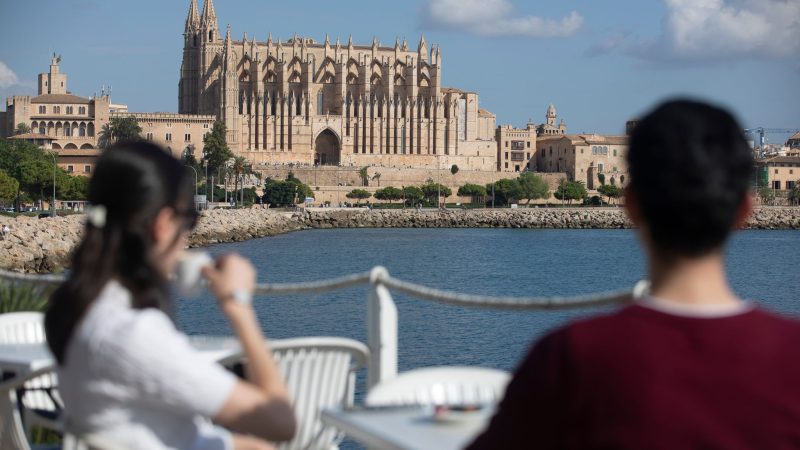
18,297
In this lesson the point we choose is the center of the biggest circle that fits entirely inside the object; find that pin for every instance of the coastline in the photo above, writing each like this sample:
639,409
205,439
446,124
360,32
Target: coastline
44,245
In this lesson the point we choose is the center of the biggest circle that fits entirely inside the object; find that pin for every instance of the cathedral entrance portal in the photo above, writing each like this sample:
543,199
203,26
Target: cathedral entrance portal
326,149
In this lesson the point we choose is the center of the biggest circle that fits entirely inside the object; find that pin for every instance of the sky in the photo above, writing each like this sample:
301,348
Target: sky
601,62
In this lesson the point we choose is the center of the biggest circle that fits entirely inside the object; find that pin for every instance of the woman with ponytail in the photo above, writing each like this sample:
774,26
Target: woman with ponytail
127,376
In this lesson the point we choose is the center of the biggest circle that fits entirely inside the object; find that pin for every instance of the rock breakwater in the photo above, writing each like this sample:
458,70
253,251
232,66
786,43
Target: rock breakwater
44,245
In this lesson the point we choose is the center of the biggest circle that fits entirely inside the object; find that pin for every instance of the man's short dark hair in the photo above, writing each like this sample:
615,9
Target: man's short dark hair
690,169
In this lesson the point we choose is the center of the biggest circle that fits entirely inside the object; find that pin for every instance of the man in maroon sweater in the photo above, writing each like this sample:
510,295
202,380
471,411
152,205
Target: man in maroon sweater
690,365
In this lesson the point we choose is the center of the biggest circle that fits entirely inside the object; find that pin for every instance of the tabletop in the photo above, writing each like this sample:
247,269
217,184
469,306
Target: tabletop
405,428
26,358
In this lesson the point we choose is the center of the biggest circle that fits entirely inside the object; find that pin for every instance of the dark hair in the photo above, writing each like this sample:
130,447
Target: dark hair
133,181
690,169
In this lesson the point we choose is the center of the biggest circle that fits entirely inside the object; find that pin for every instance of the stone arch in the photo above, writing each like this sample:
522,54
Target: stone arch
399,80
352,79
70,146
56,146
294,77
59,128
74,127
376,80
82,130
87,147
90,129
327,148
51,128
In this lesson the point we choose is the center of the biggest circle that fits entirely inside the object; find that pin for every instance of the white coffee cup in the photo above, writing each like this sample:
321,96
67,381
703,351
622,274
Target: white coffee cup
188,276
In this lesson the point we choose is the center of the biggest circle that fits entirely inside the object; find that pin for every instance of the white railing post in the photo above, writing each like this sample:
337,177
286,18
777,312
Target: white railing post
381,330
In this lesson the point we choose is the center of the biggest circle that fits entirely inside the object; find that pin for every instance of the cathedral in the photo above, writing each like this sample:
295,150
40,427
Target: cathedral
331,103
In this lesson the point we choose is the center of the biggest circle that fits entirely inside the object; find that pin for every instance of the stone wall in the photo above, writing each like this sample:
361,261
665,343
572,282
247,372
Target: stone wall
44,245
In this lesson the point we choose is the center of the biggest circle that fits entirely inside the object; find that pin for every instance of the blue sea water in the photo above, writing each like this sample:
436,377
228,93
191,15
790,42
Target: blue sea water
762,266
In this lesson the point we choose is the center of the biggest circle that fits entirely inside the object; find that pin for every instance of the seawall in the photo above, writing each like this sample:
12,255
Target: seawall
44,245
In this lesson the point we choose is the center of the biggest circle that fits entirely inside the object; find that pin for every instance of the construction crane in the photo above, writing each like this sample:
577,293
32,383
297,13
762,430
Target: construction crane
762,133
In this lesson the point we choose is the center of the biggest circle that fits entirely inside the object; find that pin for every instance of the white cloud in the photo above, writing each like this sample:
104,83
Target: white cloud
495,18
700,30
608,44
7,76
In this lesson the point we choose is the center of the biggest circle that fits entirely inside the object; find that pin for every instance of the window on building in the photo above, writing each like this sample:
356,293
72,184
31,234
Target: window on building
506,144
529,144
87,169
56,110
205,125
790,185
791,172
81,110
776,184
615,152
149,136
776,171
42,109
169,125
187,137
506,155
70,168
600,167
168,137
320,103
506,165
70,110
516,168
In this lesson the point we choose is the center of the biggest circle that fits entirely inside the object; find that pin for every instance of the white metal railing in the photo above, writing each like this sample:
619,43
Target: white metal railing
382,312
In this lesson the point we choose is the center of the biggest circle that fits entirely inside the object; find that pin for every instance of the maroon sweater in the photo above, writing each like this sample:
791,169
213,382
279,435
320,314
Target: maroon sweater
643,379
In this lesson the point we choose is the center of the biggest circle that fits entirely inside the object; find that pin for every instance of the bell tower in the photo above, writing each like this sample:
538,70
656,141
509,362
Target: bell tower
190,70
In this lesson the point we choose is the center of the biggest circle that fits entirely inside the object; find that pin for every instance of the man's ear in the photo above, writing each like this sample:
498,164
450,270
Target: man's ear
744,211
632,206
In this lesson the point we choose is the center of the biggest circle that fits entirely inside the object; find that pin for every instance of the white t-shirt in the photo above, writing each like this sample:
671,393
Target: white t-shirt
131,379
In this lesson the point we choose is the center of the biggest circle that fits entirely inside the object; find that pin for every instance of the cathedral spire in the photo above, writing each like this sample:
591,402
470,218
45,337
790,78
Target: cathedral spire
327,40
193,18
422,49
209,18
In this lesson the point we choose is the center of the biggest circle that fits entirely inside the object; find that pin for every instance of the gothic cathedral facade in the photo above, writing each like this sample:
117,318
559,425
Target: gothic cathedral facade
303,102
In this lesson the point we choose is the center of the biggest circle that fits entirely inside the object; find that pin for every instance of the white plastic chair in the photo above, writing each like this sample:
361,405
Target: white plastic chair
440,386
320,374
39,394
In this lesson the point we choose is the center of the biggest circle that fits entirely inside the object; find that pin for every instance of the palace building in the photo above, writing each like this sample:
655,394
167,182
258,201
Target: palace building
301,101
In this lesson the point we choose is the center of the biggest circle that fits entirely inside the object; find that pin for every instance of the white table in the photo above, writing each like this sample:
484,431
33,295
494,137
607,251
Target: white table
404,428
22,359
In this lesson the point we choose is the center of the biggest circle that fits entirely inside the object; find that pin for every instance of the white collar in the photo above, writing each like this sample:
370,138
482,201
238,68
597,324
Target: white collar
706,310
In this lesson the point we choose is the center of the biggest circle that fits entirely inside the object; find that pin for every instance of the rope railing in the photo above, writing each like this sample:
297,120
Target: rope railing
379,275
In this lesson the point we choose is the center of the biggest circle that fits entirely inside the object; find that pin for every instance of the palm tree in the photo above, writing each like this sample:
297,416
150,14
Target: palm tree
22,128
377,177
362,172
106,136
240,167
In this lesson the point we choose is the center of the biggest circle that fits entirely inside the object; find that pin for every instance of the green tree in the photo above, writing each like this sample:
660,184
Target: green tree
240,168
611,191
358,195
622,180
432,191
287,192
505,191
120,129
377,177
794,194
767,195
75,188
454,169
389,193
570,190
412,195
363,173
9,188
532,187
215,149
22,128
475,191
602,178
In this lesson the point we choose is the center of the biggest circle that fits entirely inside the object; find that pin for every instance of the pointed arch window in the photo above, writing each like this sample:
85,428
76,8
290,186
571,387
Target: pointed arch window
320,102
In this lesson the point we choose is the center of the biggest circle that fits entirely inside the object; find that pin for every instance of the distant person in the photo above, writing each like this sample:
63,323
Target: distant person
690,365
6,230
127,376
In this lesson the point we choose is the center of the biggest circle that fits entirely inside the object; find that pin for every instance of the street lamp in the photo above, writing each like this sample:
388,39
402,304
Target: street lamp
195,177
55,165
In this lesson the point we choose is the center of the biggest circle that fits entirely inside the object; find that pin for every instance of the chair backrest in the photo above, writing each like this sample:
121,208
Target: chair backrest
22,328
320,374
441,386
